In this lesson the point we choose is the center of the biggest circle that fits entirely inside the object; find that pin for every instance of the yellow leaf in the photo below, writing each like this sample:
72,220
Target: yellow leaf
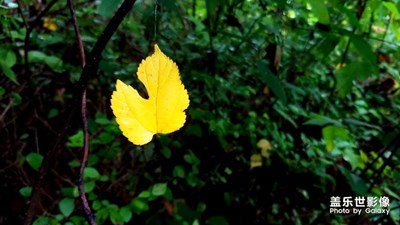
163,112
49,24
255,161
265,146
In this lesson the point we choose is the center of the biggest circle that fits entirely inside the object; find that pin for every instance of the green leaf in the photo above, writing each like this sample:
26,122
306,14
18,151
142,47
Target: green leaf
217,220
34,160
179,171
392,193
102,119
17,99
331,133
25,191
7,60
41,221
140,205
194,129
320,120
170,5
89,186
2,92
115,215
144,194
271,81
191,158
105,138
327,45
319,9
76,140
365,49
159,189
166,152
357,184
53,62
394,214
91,172
361,123
71,192
392,8
107,7
126,213
278,109
9,73
53,113
352,158
351,15
346,75
66,206
7,57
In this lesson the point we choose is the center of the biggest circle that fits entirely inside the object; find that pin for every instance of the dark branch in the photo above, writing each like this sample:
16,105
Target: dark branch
89,71
81,189
82,59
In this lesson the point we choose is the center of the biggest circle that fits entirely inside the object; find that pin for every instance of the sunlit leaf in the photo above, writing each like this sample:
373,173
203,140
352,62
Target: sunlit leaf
163,112
392,7
331,133
319,9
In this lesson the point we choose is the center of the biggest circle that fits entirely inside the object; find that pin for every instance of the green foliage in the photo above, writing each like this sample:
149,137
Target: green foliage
66,206
76,140
25,191
318,80
34,160
320,10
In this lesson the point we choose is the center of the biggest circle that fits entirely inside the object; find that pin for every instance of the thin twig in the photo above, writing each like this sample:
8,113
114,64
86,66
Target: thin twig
95,55
6,110
88,72
81,189
82,60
